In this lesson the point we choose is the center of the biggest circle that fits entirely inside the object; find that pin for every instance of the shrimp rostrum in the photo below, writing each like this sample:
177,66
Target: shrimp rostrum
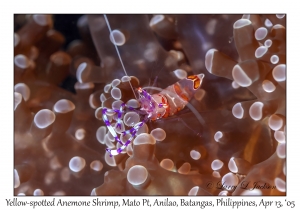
125,120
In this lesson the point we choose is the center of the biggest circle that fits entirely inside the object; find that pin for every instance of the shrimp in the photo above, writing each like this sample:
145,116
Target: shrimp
152,107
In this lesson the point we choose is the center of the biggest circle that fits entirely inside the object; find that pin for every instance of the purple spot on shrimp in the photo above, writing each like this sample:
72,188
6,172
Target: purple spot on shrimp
131,130
107,123
145,94
119,125
119,150
119,115
140,125
127,142
104,111
109,150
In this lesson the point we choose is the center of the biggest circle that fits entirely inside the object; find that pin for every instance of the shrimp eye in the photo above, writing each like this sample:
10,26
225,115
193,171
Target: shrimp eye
139,89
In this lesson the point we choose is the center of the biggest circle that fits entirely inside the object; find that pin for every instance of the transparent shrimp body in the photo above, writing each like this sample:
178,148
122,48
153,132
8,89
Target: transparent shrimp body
152,107
171,99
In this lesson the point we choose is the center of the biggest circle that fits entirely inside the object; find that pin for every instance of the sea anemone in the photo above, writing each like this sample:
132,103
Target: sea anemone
230,138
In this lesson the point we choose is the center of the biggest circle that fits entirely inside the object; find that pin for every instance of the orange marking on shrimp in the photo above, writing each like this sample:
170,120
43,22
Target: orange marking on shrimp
177,89
180,93
196,81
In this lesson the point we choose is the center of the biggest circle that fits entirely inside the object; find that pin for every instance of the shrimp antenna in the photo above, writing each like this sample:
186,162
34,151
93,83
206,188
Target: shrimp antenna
113,38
